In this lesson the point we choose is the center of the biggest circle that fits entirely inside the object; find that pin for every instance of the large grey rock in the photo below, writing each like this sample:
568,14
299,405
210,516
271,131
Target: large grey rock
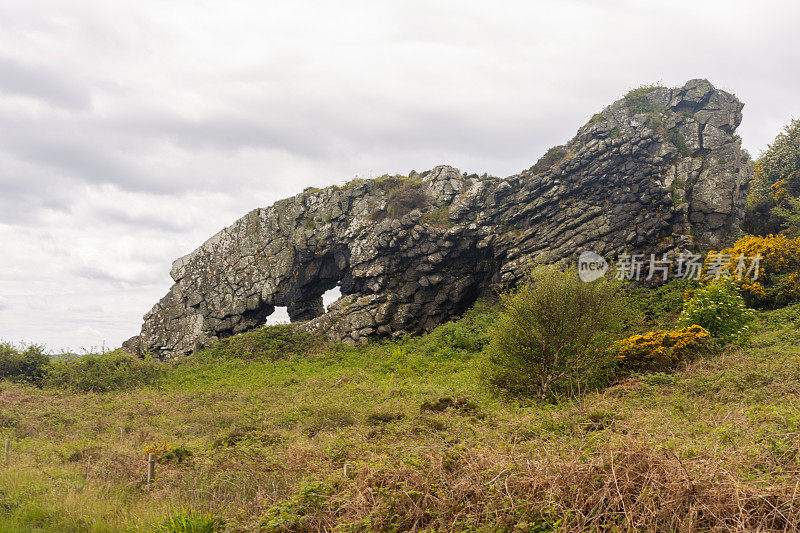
408,253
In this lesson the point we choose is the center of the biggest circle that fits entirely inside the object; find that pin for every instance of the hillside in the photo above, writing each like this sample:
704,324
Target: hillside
273,430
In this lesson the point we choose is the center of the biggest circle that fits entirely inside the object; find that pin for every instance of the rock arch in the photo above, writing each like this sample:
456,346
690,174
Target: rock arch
408,252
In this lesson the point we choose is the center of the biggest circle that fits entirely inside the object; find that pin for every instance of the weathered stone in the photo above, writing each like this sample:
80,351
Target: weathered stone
626,183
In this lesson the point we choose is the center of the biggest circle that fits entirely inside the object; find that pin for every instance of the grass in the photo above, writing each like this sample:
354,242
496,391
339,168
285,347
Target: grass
637,101
552,156
439,217
403,435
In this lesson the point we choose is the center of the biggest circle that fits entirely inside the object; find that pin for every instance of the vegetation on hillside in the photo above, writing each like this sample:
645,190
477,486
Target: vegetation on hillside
773,205
777,278
638,101
275,430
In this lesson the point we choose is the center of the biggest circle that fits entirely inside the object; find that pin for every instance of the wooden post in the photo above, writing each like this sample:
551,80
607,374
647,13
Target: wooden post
8,449
151,468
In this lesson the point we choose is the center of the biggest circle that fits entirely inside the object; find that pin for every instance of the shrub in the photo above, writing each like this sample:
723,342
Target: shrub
658,351
638,101
772,202
191,521
552,329
788,212
292,514
659,306
462,337
27,364
405,195
778,281
719,309
103,372
439,217
170,454
280,341
550,158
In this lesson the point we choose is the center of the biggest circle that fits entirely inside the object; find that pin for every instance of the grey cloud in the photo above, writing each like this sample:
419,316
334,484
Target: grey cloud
42,83
155,105
98,274
77,158
157,220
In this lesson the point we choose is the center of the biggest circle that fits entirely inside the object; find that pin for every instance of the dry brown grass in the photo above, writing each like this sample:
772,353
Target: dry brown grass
714,447
633,488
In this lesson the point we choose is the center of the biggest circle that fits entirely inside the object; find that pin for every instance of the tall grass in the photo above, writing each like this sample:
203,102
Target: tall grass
403,435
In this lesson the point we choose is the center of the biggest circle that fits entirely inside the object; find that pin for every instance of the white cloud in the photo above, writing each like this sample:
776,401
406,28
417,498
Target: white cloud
132,131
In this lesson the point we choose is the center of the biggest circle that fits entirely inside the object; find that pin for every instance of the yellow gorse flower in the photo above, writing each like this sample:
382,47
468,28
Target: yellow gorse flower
779,268
660,350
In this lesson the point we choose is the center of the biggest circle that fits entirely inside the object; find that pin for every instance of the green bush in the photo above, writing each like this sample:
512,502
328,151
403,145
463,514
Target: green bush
103,372
191,521
772,205
27,364
280,341
720,309
553,330
462,337
638,101
551,157
658,307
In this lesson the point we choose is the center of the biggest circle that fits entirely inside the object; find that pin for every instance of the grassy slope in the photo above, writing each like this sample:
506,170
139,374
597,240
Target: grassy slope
715,445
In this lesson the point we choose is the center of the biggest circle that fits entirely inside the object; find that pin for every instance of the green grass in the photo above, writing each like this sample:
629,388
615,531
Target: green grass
400,435
636,100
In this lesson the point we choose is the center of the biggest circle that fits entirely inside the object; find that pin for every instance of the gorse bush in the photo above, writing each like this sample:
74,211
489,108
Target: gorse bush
778,281
103,372
553,329
25,364
658,351
719,309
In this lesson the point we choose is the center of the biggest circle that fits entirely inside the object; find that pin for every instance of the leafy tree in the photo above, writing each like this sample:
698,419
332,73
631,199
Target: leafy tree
789,214
773,205
553,328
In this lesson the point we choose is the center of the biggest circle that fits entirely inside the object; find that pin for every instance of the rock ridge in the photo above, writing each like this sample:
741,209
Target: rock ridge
658,171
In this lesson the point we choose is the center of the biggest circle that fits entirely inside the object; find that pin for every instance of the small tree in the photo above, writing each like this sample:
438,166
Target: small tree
553,327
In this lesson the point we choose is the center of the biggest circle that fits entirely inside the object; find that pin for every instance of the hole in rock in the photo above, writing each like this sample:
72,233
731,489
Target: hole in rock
331,296
279,316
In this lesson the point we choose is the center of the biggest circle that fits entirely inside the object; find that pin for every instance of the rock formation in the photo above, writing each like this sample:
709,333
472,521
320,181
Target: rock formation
658,170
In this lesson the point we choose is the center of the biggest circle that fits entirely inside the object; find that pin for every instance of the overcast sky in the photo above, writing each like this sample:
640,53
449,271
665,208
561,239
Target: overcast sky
133,131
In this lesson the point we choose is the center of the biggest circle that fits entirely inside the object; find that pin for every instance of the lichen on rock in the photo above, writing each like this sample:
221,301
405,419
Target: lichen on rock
410,252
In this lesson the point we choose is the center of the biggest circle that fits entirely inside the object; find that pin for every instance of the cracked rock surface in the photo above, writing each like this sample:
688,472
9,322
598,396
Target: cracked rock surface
410,252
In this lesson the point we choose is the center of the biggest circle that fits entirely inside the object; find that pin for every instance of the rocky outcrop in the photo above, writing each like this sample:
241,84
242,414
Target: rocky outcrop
655,171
